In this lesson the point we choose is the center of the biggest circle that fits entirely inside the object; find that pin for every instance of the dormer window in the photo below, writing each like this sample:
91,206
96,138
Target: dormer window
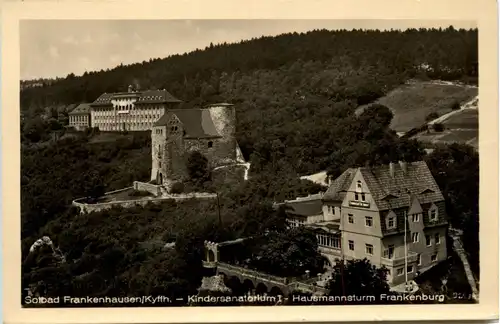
391,220
210,144
433,213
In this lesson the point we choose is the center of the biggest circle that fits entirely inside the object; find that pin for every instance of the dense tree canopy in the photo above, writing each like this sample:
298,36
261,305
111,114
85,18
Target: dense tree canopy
358,278
294,92
289,253
295,98
456,170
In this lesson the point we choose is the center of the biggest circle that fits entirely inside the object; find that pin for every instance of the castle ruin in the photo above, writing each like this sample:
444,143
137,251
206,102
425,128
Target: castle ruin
179,132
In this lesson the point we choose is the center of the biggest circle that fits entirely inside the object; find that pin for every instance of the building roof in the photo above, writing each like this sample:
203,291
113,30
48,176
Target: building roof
391,192
221,104
304,207
70,107
143,97
338,188
197,123
83,108
332,227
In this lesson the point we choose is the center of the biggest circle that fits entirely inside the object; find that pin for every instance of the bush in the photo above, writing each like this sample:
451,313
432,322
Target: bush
455,105
177,188
139,193
433,115
438,127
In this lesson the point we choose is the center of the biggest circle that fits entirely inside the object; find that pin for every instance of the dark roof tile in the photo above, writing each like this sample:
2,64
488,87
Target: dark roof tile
304,207
337,190
83,108
391,192
197,123
143,97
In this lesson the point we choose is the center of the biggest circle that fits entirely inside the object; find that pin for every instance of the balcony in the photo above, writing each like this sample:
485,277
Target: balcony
330,251
394,262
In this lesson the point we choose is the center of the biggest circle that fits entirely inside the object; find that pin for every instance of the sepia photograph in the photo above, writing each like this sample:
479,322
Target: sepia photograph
171,163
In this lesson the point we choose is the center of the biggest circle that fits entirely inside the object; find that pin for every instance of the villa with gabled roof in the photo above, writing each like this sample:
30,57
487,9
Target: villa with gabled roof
394,215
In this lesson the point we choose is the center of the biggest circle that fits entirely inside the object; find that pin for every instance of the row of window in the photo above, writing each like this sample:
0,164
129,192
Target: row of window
130,106
331,210
295,222
111,124
358,193
410,268
389,252
415,237
135,117
391,220
78,118
141,112
330,241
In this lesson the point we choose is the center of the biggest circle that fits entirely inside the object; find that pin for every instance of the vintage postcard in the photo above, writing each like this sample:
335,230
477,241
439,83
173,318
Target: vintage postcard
229,162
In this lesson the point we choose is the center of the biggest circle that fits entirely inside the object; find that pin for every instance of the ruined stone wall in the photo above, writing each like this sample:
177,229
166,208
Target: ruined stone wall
224,118
158,142
151,188
202,146
170,150
88,208
175,161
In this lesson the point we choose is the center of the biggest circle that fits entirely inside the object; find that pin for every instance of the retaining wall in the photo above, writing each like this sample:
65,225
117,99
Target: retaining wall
88,208
149,187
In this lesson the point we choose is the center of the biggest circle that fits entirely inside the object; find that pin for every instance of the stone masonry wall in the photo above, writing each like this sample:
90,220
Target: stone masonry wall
158,141
149,187
88,208
170,149
224,118
201,145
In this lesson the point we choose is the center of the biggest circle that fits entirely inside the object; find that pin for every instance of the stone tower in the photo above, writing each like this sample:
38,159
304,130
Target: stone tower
179,132
224,119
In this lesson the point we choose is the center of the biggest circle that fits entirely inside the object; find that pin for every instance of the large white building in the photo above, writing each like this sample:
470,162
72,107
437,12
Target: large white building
132,110
79,118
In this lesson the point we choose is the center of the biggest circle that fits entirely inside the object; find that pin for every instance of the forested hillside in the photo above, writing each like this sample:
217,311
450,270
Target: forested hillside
294,89
295,97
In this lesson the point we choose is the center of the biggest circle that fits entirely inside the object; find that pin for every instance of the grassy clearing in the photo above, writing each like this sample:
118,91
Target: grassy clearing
466,119
463,136
459,136
412,103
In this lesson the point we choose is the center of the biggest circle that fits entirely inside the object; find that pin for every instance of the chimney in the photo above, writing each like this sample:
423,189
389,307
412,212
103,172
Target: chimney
403,166
391,169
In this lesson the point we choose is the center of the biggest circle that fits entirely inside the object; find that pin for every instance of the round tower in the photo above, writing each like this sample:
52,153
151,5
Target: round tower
224,119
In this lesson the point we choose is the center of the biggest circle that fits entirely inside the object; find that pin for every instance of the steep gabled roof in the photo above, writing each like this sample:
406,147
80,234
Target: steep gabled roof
304,207
338,188
197,123
83,108
391,192
143,97
70,107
